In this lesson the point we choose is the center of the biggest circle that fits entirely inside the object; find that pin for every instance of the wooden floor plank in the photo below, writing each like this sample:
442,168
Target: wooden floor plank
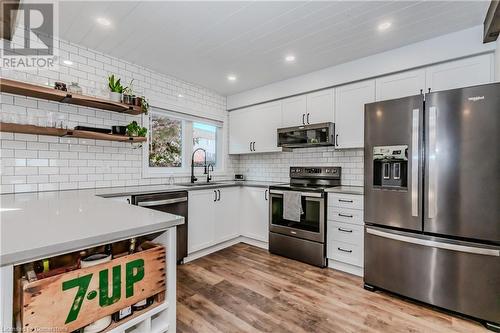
246,289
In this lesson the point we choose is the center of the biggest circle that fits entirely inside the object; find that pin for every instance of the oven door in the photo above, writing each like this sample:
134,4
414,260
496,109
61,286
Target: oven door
312,221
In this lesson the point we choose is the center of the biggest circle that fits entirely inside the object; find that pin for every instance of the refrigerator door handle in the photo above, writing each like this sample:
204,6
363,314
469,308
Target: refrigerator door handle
415,161
436,244
432,195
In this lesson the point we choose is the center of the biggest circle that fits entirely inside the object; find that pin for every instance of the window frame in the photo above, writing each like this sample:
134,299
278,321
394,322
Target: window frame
187,146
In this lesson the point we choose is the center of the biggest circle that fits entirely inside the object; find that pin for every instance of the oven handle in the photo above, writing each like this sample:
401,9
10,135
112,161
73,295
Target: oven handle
304,194
161,202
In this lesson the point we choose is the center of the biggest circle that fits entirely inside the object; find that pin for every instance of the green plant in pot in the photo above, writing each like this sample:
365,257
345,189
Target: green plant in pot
134,129
144,105
115,89
128,93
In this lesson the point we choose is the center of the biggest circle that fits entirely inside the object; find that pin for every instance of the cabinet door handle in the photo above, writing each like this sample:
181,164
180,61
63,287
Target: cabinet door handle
345,215
128,200
218,191
250,145
341,249
307,119
215,192
343,200
344,230
265,195
254,146
337,140
303,119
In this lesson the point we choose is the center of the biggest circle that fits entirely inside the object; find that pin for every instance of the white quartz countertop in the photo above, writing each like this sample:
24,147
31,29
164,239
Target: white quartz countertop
43,224
359,190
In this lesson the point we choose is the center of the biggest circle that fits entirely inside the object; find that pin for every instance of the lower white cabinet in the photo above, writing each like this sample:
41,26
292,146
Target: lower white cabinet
227,214
345,232
221,214
254,214
201,215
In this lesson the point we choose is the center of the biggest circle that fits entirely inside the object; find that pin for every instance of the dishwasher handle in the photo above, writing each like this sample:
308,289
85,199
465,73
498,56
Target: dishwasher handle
161,202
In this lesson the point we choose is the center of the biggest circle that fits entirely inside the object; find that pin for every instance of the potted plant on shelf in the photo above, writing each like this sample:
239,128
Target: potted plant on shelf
115,89
134,129
144,103
128,94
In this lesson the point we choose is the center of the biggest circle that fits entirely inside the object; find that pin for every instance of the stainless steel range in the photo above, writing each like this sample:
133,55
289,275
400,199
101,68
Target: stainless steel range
303,237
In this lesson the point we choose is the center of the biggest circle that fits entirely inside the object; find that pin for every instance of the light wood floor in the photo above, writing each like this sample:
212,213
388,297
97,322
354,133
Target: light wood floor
246,289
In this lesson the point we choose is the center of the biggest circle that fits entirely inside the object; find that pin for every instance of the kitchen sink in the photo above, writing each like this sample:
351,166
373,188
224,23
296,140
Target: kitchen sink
199,184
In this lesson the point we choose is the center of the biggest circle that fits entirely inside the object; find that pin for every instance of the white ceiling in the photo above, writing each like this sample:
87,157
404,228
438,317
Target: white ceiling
203,42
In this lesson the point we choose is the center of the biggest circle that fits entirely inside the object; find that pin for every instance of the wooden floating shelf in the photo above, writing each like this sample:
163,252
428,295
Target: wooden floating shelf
52,131
36,91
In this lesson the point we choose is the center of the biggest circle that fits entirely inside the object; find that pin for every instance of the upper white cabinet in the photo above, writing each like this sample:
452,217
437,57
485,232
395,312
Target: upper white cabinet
350,103
460,73
313,108
320,107
253,129
294,111
399,85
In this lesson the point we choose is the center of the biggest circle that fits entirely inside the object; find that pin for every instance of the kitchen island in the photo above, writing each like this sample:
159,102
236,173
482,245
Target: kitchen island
41,225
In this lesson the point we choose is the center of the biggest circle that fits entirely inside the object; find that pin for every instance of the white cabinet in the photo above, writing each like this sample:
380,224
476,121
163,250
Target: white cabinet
350,103
253,129
294,111
320,107
254,215
201,226
345,232
313,108
240,131
399,85
460,73
227,214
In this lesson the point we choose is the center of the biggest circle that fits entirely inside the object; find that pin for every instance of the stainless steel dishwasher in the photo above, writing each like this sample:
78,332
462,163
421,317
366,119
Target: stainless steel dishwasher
173,203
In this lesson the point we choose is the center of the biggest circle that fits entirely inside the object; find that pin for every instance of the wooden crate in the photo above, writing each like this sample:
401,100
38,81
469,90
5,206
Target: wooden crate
75,299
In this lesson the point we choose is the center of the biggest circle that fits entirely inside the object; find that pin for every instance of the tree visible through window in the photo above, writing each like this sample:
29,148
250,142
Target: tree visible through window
166,142
205,136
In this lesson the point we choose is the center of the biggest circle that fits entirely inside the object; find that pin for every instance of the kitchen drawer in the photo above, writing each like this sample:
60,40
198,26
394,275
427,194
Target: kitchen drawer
339,214
345,232
352,201
346,253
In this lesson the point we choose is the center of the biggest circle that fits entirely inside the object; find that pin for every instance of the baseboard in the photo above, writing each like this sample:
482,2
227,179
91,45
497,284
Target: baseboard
223,245
254,242
340,266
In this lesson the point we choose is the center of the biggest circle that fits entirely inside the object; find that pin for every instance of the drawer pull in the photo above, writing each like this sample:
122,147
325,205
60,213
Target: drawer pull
343,200
344,230
344,215
341,249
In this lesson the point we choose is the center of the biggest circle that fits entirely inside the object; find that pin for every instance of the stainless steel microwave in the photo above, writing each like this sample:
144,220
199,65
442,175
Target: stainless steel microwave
322,134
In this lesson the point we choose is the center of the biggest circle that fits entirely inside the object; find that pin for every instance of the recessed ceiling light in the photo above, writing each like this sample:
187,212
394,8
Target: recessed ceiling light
180,95
68,62
231,78
384,26
290,58
103,21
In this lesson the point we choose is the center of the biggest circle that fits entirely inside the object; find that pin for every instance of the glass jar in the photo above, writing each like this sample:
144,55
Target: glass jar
74,88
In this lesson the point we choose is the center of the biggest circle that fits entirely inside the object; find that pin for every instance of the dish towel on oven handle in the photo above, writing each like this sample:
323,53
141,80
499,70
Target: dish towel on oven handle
292,206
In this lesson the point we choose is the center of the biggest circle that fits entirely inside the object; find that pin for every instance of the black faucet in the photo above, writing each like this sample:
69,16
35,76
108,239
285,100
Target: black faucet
193,178
209,178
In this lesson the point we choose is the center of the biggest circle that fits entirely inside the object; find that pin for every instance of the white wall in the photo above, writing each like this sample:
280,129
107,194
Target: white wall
39,163
452,46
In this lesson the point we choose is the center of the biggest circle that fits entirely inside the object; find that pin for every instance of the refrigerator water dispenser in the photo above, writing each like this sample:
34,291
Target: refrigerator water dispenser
390,165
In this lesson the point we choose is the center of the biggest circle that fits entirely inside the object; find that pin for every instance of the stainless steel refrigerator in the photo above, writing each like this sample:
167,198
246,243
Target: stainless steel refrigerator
432,199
